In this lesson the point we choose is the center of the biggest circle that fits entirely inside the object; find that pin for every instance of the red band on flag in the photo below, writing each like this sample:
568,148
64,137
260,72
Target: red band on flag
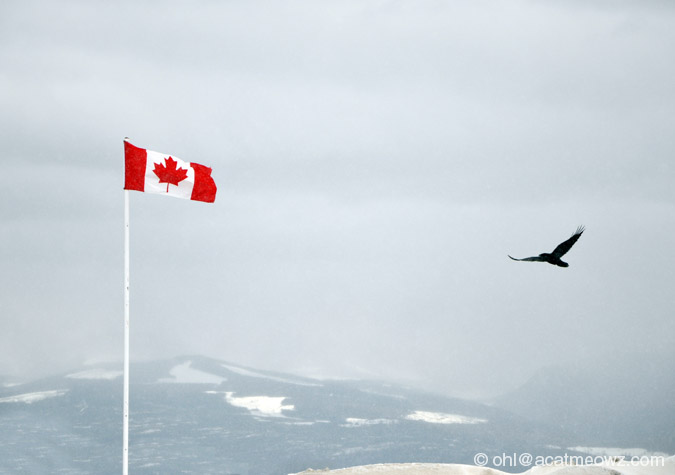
205,187
134,167
155,172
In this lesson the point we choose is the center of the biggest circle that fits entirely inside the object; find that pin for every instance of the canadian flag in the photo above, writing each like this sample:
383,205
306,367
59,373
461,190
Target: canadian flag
154,172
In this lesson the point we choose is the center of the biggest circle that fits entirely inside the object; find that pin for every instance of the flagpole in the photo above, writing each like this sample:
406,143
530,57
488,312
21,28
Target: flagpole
125,422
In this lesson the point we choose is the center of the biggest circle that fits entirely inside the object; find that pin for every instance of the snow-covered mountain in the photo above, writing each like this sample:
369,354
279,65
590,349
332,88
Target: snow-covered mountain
625,401
199,415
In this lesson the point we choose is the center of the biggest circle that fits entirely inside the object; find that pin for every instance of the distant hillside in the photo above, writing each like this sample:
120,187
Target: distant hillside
203,416
198,415
628,401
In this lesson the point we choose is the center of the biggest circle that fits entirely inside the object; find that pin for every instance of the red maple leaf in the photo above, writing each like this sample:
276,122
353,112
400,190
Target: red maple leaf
169,173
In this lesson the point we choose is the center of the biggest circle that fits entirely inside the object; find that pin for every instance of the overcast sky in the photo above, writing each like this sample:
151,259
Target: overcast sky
376,161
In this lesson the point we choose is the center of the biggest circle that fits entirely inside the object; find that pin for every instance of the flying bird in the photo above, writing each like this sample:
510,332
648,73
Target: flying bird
558,252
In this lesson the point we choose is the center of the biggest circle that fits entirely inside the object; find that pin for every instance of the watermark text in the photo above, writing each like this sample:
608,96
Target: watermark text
528,460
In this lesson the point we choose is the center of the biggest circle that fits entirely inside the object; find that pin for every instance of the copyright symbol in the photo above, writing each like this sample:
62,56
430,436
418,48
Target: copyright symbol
480,459
525,459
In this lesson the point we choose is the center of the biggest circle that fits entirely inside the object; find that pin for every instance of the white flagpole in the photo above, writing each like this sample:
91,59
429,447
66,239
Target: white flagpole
125,423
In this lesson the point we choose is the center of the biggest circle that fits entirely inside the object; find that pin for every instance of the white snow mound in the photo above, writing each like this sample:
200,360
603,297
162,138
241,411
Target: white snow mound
30,398
97,373
615,451
625,468
443,418
357,422
264,406
184,374
260,405
255,374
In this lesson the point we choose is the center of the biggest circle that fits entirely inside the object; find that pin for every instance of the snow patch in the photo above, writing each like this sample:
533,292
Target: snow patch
97,373
254,374
356,422
458,469
184,374
410,469
617,452
443,418
264,406
30,398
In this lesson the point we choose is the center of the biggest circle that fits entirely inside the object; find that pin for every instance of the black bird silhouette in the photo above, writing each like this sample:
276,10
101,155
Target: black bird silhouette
558,252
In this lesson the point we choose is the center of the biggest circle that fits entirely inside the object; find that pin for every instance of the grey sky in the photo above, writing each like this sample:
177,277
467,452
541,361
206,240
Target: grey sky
376,161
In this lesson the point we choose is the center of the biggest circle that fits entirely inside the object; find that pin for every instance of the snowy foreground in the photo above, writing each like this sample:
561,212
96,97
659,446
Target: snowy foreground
667,468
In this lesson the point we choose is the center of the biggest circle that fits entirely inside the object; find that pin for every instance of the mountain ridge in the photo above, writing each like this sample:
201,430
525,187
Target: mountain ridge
201,415
627,400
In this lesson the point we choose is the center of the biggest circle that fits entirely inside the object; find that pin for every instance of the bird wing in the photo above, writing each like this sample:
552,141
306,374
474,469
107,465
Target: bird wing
563,247
533,259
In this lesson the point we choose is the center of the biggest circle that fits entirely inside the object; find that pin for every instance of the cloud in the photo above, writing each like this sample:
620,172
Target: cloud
376,161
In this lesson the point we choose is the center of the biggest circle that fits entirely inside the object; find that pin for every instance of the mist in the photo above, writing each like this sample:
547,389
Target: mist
375,161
